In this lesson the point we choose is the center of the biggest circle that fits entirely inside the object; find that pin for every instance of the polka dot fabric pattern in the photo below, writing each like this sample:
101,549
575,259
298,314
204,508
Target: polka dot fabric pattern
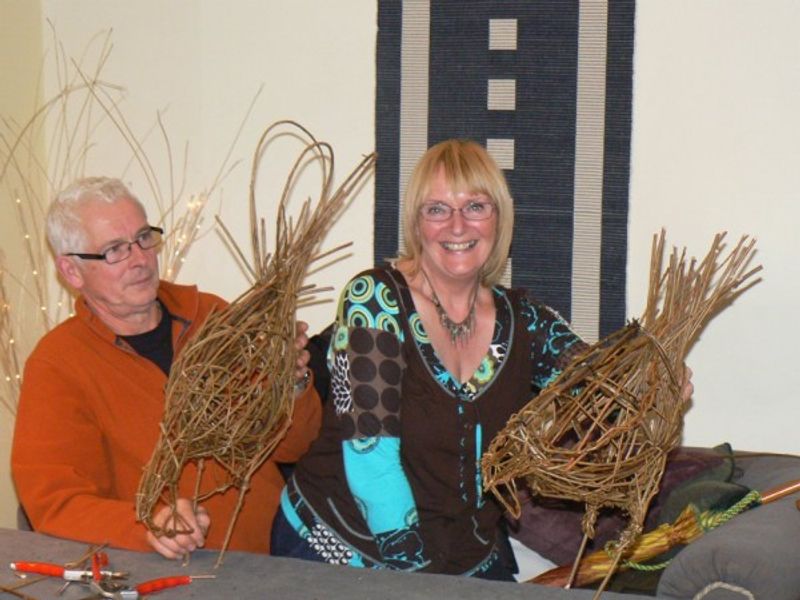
376,368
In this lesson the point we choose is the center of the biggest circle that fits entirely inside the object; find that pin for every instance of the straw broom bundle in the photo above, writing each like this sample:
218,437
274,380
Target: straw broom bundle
600,433
686,528
230,393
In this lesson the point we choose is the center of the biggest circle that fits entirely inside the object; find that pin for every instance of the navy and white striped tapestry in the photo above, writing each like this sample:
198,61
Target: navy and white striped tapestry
545,85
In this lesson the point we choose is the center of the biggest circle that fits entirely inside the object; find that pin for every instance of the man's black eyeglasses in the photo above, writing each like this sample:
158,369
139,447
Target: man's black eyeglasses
147,239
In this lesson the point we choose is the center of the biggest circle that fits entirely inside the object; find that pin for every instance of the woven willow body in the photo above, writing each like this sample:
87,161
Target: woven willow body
230,393
600,433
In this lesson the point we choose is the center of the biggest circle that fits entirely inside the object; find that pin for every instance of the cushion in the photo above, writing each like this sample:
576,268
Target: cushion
552,528
756,554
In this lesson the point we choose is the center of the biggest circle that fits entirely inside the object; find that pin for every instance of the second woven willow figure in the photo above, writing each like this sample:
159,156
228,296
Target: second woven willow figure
601,432
230,393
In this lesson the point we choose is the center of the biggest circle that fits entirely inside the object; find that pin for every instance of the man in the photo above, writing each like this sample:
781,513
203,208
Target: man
93,390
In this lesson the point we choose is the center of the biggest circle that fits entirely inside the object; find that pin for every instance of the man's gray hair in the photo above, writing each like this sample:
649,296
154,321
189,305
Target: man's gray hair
65,230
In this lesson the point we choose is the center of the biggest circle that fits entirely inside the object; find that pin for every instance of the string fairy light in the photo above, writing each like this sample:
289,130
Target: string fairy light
38,287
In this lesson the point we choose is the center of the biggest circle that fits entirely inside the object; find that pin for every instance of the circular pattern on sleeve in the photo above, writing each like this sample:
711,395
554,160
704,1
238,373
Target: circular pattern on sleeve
376,373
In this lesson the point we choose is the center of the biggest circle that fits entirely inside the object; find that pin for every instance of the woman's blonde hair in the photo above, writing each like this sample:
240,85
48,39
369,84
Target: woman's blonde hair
467,168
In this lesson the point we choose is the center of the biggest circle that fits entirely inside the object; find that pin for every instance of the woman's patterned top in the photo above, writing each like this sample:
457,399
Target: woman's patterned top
367,366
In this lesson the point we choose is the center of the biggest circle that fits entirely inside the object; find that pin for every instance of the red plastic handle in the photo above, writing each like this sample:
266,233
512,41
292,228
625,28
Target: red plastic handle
99,560
156,585
39,568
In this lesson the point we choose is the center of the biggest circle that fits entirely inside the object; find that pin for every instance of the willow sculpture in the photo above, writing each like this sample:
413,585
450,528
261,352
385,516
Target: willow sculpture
230,392
600,433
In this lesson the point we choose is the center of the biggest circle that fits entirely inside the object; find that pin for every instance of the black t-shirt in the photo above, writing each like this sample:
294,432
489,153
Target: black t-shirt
156,344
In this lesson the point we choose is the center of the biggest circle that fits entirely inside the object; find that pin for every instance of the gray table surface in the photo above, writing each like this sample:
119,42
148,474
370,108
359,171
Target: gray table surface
245,575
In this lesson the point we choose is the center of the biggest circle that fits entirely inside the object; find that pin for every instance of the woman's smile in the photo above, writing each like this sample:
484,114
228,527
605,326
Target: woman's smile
455,247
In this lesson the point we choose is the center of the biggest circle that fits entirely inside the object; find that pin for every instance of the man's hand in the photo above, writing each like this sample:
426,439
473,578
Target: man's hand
187,519
303,355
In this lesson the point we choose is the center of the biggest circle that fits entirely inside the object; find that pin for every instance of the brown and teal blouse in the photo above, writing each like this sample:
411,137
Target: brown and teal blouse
393,481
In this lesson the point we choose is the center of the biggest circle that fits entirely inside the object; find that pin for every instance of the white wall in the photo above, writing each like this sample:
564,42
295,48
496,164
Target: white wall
203,62
716,97
20,53
715,148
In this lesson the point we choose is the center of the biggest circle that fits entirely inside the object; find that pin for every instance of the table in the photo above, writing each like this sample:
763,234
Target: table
246,575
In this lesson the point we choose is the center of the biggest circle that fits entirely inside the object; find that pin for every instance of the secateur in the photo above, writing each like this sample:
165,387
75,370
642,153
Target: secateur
107,588
105,583
77,571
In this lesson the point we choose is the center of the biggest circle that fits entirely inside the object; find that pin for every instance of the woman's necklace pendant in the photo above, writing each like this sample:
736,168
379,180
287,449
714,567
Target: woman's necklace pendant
459,332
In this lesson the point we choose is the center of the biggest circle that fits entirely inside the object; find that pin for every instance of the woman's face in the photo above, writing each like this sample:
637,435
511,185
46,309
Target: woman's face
456,247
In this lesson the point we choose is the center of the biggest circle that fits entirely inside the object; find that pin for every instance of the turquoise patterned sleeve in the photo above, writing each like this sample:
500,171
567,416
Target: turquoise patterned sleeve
366,371
553,343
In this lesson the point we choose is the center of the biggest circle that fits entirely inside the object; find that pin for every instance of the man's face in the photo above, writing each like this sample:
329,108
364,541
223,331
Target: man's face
123,289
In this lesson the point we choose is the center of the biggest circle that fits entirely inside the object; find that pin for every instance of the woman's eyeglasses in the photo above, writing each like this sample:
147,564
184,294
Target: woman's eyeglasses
471,211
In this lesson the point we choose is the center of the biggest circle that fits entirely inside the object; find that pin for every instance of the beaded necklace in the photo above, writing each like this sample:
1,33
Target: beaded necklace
459,331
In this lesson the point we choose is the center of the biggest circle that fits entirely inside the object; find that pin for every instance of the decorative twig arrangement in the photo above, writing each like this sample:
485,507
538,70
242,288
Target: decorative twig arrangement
10,367
230,392
600,433
72,125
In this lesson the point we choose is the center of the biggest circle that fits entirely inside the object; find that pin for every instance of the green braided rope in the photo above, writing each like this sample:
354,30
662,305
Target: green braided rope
640,567
707,521
711,520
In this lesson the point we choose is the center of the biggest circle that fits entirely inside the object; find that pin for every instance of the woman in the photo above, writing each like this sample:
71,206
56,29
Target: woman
429,359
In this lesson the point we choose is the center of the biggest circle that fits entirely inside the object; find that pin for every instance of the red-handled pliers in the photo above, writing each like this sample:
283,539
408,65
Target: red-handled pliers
53,570
118,592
